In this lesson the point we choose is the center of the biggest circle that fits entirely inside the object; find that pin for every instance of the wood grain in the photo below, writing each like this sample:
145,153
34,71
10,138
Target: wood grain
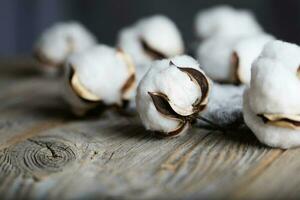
47,153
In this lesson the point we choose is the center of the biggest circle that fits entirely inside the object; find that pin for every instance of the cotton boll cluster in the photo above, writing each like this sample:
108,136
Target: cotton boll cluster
171,94
232,40
100,74
61,40
271,104
151,38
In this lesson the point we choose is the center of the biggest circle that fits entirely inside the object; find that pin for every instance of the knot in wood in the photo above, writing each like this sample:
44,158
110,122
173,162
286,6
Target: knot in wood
42,155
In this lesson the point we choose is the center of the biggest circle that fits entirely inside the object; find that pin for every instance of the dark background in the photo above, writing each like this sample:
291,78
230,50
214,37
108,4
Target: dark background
21,21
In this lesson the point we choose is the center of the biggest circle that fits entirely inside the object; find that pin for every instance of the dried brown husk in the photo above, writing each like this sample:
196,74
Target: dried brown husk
182,128
200,80
79,88
236,74
298,72
282,120
131,81
152,52
79,106
161,103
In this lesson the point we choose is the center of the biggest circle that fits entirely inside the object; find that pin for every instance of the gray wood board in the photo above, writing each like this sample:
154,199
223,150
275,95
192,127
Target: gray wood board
46,153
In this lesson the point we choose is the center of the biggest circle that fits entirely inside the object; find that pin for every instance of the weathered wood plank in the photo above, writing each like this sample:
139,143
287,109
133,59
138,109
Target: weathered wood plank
46,153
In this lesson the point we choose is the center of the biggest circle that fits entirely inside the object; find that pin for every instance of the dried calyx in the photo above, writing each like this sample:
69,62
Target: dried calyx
174,114
235,69
130,83
80,90
101,75
151,51
281,120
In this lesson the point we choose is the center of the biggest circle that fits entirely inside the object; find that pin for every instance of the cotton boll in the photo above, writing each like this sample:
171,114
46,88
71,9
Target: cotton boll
225,21
274,87
150,38
170,95
59,41
128,40
161,34
270,135
229,59
245,52
285,52
271,104
214,55
100,74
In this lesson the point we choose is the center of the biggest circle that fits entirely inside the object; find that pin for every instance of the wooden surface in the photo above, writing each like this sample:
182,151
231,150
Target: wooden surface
46,153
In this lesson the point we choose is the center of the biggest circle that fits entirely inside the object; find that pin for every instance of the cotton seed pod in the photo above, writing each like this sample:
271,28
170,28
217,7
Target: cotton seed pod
225,21
229,59
214,55
171,95
151,38
100,74
244,53
271,104
59,41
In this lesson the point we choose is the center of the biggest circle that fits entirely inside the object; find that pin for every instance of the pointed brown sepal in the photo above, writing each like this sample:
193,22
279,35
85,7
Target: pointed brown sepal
281,120
153,53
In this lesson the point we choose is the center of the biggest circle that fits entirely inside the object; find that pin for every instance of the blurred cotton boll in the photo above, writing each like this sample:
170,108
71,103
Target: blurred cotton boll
244,53
225,21
100,74
151,38
61,40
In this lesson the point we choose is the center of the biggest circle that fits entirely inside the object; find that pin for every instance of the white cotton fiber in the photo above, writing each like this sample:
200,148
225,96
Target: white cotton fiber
274,84
62,39
268,134
161,33
247,50
225,21
101,71
214,55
